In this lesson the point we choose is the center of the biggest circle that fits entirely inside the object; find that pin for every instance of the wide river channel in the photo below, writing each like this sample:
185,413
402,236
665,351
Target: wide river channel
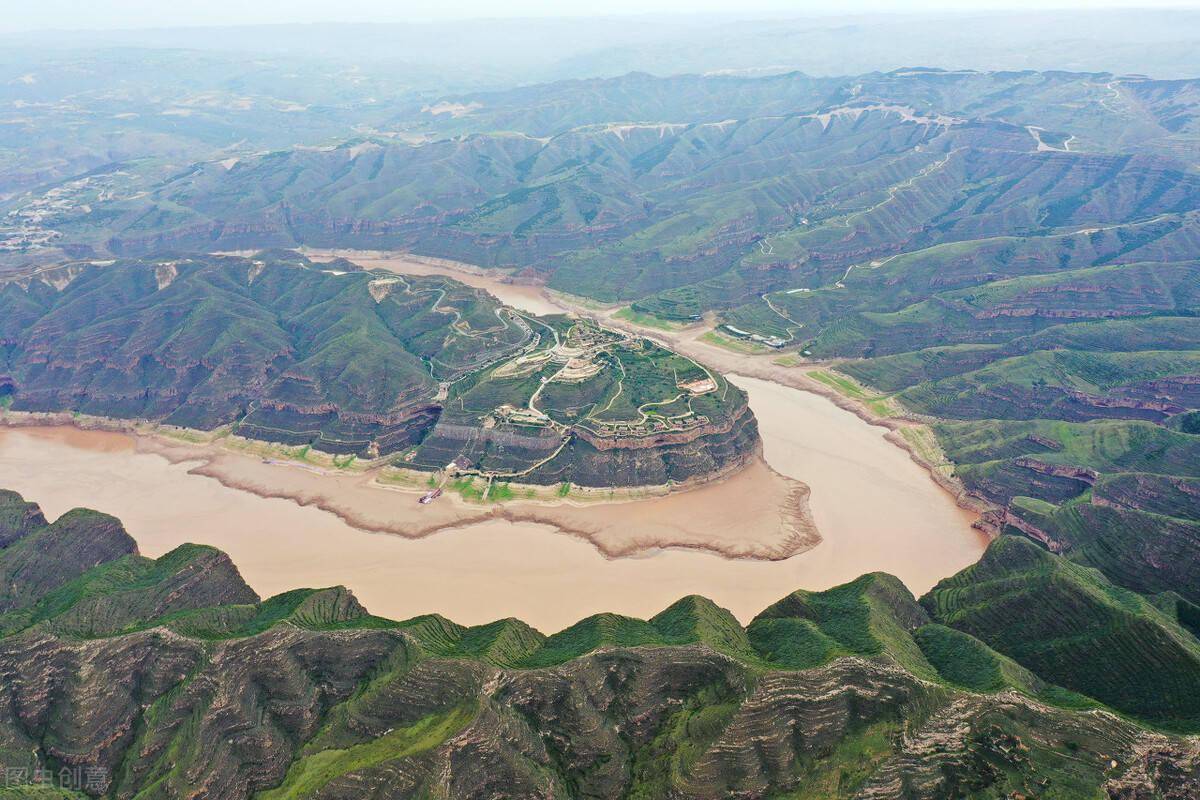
875,509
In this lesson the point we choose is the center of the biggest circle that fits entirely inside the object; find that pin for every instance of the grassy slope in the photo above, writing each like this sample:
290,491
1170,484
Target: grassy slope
318,767
1071,626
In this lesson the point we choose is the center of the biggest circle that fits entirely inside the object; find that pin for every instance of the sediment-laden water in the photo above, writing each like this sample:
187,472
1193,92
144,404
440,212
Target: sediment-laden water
875,508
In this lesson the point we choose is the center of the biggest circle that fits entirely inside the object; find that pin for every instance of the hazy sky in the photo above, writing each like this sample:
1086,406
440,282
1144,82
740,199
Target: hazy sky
116,14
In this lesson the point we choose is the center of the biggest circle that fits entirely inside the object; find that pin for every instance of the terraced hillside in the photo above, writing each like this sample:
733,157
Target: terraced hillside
1067,399
425,370
171,678
1138,654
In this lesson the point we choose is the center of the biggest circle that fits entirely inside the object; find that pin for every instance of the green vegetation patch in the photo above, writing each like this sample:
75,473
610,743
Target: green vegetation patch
1071,626
792,643
961,658
846,386
314,771
646,319
870,616
965,661
681,740
593,633
841,772
698,619
743,346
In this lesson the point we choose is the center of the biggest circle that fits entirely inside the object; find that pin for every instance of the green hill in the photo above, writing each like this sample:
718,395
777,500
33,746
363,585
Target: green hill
1071,626
870,616
698,620
965,661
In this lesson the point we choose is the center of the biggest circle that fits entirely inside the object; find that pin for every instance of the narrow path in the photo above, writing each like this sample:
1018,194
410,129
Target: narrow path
1116,95
791,331
646,416
892,191
620,388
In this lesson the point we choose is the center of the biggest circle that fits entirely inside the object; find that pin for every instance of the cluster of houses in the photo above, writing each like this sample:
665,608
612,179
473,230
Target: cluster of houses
770,341
626,429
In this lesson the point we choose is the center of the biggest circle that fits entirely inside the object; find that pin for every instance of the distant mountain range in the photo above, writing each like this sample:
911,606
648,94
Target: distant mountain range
696,193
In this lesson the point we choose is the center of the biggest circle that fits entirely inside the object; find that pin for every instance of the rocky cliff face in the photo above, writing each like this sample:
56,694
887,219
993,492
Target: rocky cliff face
202,691
696,455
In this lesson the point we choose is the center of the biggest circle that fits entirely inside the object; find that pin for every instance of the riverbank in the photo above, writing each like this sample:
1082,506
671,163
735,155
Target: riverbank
741,541
753,513
695,340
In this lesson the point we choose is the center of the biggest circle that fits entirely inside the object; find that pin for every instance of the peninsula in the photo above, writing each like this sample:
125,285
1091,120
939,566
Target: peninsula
420,371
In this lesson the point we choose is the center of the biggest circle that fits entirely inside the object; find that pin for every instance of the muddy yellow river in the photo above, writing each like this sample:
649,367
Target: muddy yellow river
875,510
